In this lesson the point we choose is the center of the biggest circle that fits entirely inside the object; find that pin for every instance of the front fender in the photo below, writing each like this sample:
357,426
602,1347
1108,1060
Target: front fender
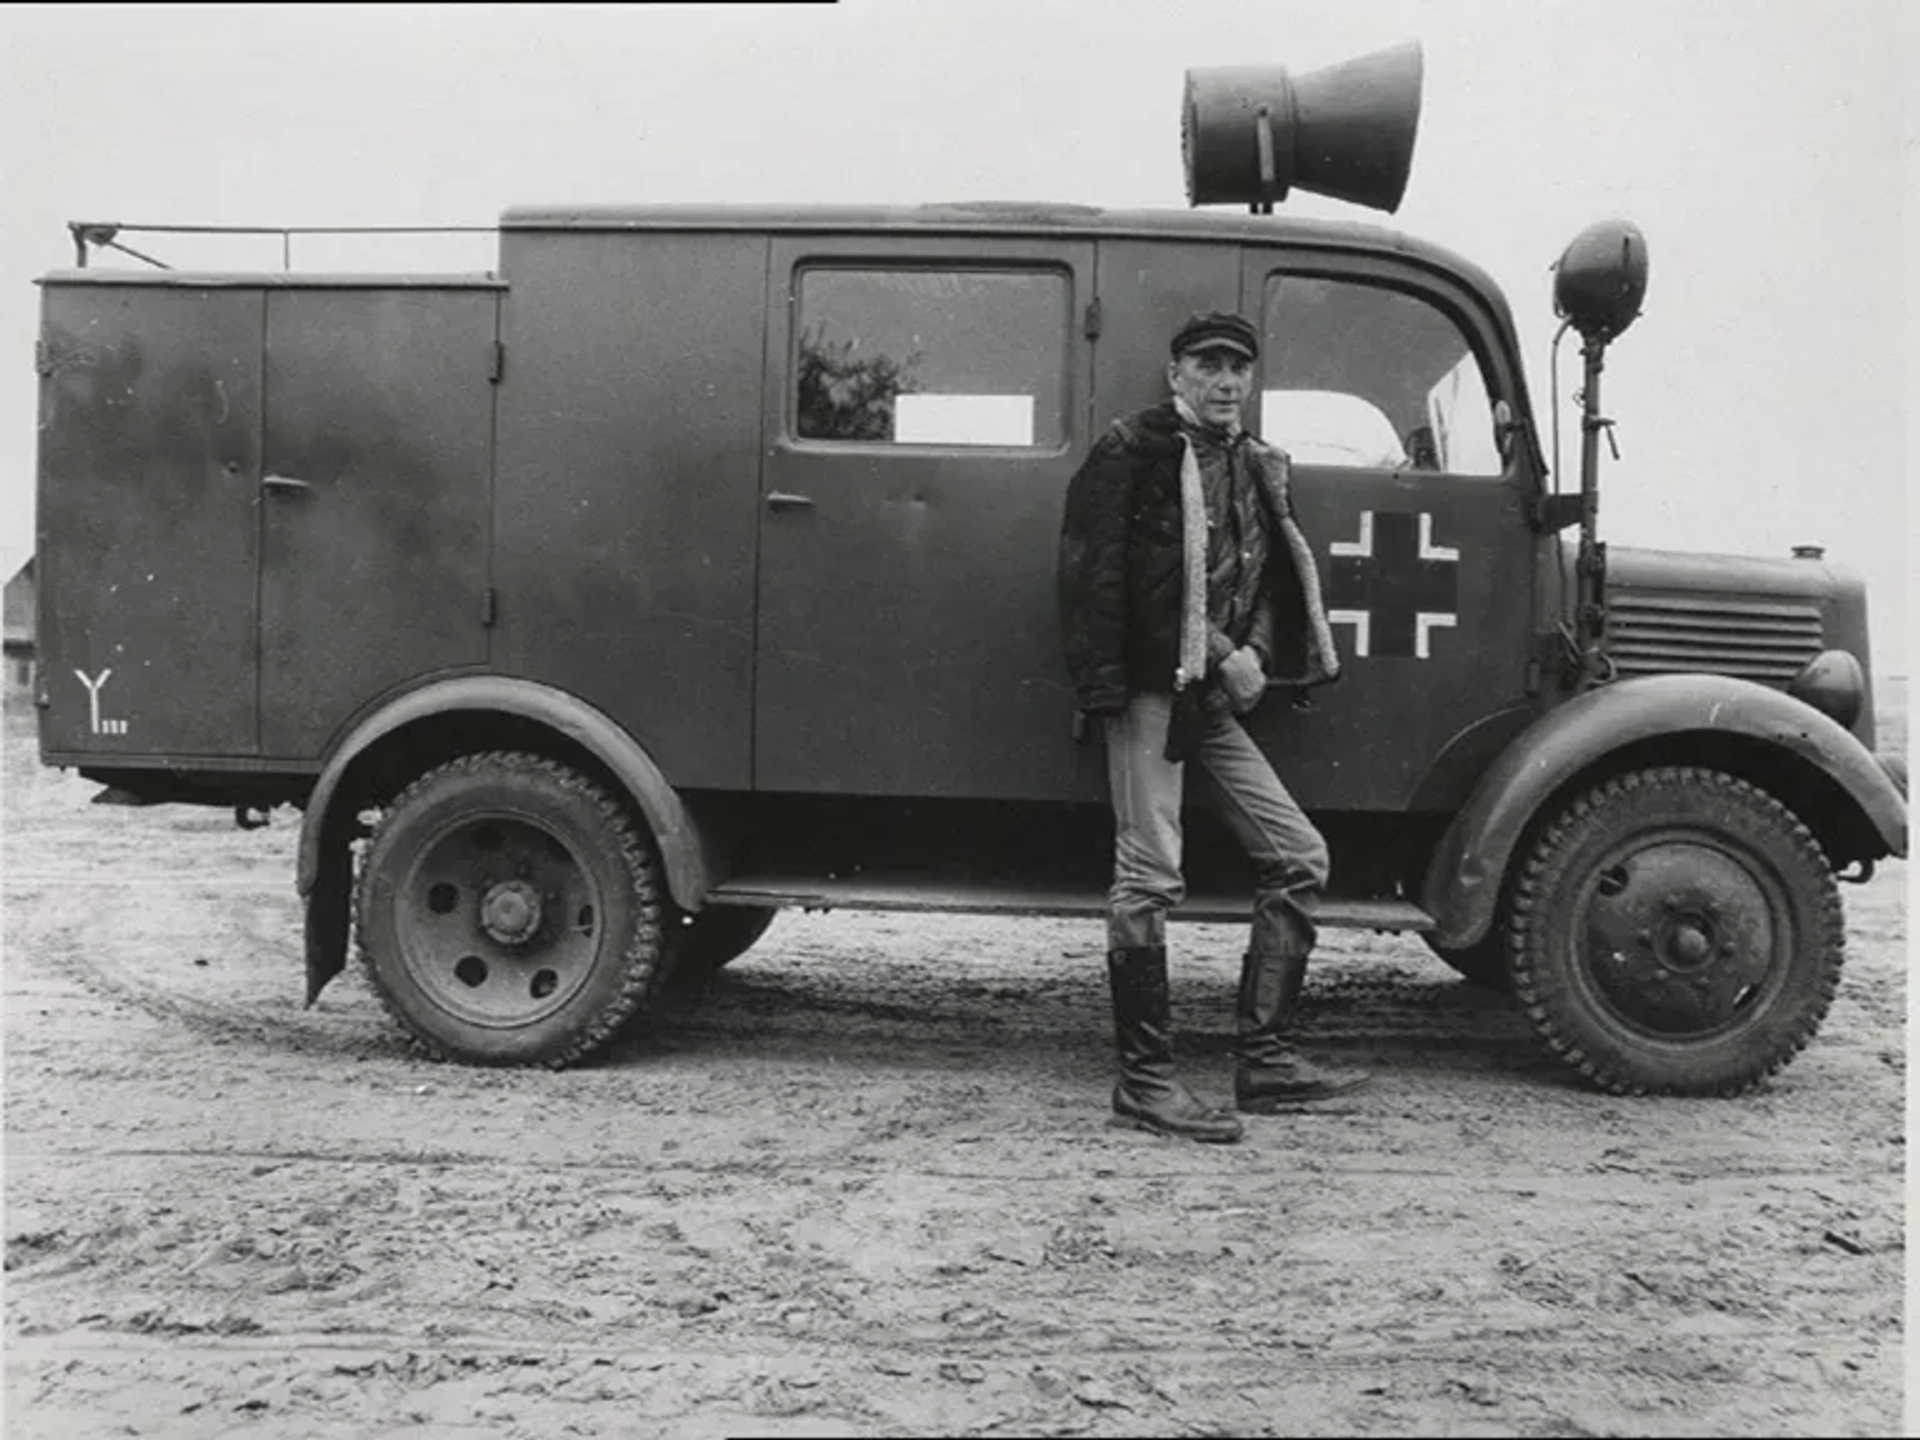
1462,885
323,875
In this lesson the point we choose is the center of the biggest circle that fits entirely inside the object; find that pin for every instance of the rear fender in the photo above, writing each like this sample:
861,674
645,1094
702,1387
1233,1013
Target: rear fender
324,873
1463,880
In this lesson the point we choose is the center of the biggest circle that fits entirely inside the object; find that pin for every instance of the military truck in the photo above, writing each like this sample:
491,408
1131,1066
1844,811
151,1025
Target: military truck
700,561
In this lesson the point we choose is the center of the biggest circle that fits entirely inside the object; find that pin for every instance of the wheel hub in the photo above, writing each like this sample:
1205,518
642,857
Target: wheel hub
1687,946
1680,937
510,913
499,921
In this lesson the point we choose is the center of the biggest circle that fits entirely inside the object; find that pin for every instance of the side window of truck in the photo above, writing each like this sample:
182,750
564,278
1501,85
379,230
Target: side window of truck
1366,376
931,357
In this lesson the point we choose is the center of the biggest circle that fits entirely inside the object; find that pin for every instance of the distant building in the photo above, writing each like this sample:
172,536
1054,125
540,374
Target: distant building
20,611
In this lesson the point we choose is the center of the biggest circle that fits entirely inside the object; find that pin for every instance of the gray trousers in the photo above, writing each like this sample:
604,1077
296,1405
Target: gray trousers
1235,780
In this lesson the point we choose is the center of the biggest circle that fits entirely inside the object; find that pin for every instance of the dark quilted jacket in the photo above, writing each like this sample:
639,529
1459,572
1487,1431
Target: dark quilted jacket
1121,562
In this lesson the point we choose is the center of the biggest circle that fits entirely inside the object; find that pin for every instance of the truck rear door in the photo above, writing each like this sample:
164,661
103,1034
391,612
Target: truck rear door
148,538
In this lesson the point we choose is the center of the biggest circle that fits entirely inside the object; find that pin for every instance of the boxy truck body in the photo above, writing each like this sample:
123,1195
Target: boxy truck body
752,515
294,497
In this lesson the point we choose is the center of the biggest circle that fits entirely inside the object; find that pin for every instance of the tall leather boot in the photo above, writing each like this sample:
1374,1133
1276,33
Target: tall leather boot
1270,1075
1147,1095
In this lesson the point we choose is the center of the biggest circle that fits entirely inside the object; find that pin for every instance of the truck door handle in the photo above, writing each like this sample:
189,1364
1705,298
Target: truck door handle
781,500
283,482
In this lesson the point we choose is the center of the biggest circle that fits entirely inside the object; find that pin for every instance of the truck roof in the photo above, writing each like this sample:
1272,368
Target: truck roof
986,217
275,279
975,217
1014,217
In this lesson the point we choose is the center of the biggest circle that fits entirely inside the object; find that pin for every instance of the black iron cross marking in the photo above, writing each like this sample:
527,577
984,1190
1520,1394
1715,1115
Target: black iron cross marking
1393,585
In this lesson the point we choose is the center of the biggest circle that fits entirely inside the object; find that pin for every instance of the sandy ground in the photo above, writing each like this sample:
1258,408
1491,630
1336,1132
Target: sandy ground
866,1185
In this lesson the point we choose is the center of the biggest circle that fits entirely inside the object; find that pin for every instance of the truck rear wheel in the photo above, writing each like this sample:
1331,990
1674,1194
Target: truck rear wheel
1676,931
720,934
509,912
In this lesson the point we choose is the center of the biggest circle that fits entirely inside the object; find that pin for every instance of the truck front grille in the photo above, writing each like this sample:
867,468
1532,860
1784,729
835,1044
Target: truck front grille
1764,640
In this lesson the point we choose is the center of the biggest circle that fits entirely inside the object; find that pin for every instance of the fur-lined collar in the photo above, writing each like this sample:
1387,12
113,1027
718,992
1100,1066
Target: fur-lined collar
1159,429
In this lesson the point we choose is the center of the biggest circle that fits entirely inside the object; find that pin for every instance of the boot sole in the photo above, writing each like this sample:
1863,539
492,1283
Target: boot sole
1129,1122
1276,1104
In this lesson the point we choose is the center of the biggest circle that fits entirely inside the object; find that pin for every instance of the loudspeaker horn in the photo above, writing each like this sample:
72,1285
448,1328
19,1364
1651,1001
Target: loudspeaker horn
1251,133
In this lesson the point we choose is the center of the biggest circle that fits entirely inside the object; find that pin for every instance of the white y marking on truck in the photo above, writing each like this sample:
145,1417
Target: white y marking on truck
100,726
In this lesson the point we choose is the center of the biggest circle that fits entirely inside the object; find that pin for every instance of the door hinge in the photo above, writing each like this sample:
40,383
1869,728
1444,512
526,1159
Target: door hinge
489,607
497,361
1091,325
42,358
1551,514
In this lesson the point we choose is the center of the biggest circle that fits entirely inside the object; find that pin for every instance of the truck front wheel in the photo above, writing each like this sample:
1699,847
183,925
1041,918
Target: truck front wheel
509,912
1676,931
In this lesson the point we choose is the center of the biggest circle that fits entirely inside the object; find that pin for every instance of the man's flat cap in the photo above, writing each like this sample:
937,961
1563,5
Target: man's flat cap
1219,329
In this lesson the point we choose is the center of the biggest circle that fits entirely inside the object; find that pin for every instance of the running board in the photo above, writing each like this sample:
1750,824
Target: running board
990,898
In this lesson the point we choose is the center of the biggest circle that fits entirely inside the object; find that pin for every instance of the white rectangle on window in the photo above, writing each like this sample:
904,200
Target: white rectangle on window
963,420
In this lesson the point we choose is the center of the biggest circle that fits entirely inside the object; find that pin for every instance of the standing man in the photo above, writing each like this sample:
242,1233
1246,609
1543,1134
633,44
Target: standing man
1185,589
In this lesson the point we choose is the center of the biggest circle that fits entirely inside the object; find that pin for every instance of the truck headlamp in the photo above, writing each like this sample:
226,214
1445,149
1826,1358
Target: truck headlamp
1834,684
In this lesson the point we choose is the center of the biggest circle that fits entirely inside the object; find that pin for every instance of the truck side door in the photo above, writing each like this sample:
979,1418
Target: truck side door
1380,382
926,405
376,467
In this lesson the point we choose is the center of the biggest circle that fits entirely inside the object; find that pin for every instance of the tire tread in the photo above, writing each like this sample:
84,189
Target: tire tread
1537,877
641,961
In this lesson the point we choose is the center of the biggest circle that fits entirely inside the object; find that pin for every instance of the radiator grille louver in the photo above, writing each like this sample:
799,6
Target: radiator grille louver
1764,640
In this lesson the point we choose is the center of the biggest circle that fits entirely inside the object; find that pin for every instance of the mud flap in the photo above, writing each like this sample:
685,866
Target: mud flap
329,915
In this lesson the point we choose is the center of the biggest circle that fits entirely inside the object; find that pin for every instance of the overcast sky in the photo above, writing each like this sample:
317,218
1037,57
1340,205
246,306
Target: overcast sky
1765,148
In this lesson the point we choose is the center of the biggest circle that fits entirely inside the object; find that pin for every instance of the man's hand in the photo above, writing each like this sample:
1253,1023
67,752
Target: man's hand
1244,679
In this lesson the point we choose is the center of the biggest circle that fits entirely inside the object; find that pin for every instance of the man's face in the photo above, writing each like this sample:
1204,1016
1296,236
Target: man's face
1214,382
